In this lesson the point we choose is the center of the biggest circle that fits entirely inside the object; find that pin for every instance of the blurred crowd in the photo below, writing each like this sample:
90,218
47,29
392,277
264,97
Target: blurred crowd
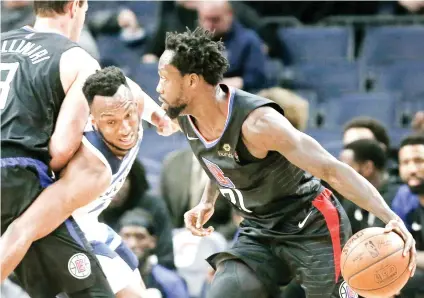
148,210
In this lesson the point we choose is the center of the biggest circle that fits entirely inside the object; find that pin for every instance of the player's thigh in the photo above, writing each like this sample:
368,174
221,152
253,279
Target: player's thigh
69,263
235,279
271,271
122,273
20,186
315,253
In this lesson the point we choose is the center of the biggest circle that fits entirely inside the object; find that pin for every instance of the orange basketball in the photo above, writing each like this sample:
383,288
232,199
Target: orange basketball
372,263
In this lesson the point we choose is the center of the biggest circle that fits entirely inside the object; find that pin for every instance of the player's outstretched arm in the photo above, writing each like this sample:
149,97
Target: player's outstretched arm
84,179
195,218
75,66
152,112
267,130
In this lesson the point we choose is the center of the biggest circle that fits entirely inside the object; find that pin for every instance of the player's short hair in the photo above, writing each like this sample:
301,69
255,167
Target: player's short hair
138,217
50,7
413,139
104,82
376,127
366,149
196,52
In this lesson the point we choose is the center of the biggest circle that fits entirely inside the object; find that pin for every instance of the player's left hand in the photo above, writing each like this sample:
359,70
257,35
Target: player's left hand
165,126
397,226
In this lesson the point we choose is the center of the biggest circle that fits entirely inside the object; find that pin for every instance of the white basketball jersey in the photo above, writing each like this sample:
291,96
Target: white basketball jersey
87,216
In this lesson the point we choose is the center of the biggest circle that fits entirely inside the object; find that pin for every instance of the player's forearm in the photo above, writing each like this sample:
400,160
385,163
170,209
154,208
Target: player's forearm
357,189
210,194
152,113
420,259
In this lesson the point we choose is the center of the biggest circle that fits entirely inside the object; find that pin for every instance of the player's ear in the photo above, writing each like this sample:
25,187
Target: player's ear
368,168
72,6
91,119
193,80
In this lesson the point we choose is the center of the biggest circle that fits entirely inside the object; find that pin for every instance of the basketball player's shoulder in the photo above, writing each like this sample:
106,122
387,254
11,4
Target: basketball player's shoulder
77,57
76,62
259,119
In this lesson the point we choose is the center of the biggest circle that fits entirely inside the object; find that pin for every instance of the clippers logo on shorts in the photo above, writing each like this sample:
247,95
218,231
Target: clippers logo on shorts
346,292
79,266
218,174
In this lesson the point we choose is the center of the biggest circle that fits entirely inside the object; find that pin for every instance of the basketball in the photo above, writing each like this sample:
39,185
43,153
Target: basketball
372,263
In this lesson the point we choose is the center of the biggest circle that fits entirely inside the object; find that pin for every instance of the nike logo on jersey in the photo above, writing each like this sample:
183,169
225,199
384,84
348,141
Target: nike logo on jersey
302,224
191,139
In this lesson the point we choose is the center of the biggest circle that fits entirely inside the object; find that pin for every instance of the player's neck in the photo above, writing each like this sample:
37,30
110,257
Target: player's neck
211,114
52,25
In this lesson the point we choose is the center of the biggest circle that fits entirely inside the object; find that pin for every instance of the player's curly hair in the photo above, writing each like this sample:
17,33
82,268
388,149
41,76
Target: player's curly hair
196,52
104,82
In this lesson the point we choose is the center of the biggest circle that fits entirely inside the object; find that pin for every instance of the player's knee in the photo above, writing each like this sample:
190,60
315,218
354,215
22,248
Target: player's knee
235,279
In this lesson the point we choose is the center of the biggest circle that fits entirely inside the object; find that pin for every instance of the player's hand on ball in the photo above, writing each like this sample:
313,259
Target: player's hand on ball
399,227
195,219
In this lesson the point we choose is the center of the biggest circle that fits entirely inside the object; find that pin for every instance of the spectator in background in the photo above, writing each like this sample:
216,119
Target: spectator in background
123,22
413,6
243,46
296,109
134,194
412,174
179,14
411,169
367,158
366,128
369,128
138,231
418,122
182,183
173,16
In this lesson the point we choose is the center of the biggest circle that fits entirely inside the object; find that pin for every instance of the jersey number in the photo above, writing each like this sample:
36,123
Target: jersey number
11,69
231,194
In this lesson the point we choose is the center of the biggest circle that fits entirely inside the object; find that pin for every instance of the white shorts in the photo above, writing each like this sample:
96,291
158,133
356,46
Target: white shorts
118,272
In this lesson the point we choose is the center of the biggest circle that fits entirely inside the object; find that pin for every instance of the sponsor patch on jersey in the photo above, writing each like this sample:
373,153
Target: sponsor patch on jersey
79,266
346,292
218,174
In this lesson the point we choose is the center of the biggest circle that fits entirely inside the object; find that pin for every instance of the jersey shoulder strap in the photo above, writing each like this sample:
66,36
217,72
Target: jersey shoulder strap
94,142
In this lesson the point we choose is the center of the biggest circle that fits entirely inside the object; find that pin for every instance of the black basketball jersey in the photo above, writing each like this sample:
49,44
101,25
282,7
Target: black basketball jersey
264,190
31,91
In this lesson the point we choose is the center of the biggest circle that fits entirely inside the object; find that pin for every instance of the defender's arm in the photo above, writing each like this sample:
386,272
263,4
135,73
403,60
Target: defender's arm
84,179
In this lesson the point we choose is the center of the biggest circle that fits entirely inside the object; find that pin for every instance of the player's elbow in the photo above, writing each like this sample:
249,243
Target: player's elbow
61,153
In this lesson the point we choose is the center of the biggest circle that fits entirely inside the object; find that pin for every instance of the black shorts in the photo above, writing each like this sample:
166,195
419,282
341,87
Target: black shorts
308,249
62,261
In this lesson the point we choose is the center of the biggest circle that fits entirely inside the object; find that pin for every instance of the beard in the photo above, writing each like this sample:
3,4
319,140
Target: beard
417,189
174,112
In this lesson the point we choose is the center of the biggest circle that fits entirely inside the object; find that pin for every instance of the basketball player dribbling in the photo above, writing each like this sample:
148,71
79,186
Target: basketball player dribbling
43,115
293,226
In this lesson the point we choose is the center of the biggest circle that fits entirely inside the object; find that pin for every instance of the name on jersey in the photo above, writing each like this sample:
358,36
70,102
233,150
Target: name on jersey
34,52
